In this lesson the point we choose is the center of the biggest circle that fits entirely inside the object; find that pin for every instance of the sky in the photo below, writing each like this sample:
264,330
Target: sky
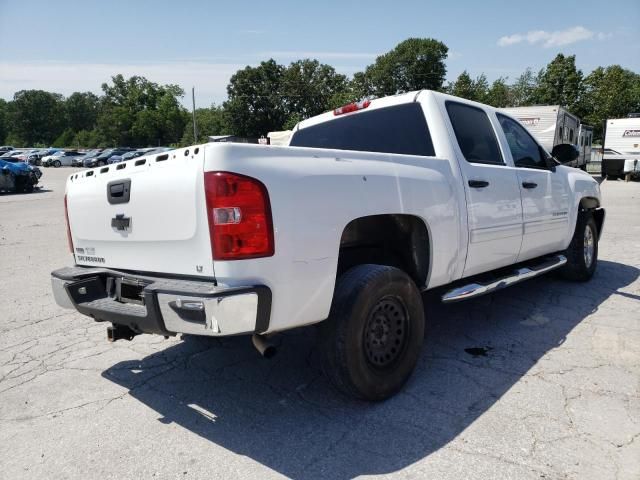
72,45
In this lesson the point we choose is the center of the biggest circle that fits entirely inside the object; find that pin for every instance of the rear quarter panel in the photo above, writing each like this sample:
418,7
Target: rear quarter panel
314,194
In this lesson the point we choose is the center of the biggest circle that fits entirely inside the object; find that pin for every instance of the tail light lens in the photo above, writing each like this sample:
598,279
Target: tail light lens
66,221
239,216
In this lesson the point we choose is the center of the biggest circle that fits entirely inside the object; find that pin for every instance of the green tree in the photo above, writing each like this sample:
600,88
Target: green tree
310,88
210,121
466,87
524,89
611,92
560,83
66,139
499,94
256,104
137,112
413,64
81,111
3,121
35,116
89,139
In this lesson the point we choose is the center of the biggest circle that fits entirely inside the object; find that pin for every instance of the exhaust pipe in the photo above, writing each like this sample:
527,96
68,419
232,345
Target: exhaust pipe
266,348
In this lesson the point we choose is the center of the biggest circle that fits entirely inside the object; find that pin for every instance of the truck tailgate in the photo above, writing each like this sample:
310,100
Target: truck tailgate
147,215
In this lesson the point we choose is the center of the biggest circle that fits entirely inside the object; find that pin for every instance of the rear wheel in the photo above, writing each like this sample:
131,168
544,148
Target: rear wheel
371,341
582,254
57,164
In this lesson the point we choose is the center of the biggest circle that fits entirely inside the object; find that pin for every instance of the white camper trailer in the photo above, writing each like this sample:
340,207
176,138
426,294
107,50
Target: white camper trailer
621,149
551,125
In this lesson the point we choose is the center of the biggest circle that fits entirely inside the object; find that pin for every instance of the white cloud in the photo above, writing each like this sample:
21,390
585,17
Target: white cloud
552,39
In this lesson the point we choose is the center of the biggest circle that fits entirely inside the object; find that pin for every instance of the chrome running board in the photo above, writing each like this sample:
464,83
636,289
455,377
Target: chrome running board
474,289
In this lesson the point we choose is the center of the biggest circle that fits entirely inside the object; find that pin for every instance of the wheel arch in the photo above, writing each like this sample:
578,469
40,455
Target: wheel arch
399,240
592,204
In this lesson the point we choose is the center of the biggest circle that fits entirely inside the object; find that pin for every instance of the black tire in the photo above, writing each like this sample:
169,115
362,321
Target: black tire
371,342
578,267
57,164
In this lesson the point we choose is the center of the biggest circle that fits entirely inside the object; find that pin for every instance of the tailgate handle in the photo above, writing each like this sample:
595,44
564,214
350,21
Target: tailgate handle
119,191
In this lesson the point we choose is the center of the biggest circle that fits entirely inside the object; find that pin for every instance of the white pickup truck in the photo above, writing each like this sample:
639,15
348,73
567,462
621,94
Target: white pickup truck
368,206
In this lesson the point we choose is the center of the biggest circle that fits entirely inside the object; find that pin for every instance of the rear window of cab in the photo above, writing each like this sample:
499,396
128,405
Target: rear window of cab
400,129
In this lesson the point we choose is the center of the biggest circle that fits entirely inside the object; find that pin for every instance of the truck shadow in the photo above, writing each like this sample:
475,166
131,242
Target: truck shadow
283,414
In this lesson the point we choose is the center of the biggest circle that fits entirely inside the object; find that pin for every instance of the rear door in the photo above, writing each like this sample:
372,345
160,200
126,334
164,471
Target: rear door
147,214
491,189
545,193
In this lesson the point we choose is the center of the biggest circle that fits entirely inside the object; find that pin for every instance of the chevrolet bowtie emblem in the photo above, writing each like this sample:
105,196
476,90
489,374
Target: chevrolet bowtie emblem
120,222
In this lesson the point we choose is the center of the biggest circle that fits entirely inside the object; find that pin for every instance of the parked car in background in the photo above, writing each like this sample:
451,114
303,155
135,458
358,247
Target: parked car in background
142,152
11,154
79,160
59,159
104,157
24,154
128,155
18,176
5,149
36,157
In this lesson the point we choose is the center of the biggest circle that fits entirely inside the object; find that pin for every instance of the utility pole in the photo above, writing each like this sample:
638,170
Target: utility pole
195,129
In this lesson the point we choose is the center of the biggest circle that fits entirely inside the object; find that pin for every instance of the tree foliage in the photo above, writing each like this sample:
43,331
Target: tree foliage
210,121
4,127
138,112
466,87
610,92
413,64
36,116
255,105
560,83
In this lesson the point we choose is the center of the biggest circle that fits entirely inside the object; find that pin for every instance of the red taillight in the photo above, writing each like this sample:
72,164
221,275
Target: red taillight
66,221
352,107
239,216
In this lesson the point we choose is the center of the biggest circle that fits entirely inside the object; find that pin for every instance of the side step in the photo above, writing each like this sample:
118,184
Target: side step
477,289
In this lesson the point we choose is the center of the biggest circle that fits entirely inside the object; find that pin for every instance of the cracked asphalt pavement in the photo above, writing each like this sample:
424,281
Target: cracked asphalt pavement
539,381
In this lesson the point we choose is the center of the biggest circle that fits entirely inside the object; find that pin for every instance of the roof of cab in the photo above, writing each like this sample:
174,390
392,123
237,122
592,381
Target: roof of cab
376,103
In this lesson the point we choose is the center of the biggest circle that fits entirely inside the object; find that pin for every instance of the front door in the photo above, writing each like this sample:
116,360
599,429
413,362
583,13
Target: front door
494,207
545,193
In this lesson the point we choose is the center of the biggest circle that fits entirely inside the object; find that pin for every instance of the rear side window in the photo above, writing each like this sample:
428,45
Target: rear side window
474,133
400,129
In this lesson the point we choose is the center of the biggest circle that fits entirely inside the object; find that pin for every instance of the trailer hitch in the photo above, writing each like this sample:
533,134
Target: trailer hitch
120,332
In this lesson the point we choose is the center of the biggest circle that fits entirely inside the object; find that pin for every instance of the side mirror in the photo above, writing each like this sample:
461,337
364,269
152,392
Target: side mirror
565,152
